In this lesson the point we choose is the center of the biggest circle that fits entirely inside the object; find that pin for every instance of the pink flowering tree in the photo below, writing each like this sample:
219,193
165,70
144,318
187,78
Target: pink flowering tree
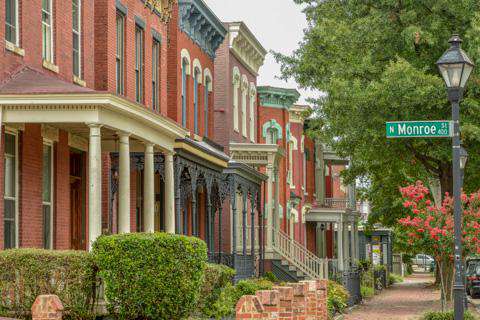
429,228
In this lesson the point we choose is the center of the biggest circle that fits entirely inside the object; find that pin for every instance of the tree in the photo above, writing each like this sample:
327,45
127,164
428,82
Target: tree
375,62
429,229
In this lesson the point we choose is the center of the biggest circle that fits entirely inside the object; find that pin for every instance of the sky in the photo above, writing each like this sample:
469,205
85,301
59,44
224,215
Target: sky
277,24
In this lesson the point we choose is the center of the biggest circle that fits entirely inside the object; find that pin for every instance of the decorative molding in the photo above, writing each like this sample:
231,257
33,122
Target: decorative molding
277,97
297,113
236,76
253,89
245,47
201,25
162,8
272,124
207,74
244,84
49,132
198,65
184,54
77,142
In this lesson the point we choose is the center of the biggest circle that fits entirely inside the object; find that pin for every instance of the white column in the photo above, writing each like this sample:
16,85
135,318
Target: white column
124,183
352,241
340,244
270,204
169,194
149,190
318,240
355,237
277,200
94,184
346,243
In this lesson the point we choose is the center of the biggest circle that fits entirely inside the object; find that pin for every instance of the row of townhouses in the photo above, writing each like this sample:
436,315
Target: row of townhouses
123,116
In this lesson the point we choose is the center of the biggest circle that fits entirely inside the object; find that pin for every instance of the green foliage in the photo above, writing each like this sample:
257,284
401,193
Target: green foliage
217,277
28,273
225,305
151,276
394,278
337,298
375,60
270,277
367,292
438,315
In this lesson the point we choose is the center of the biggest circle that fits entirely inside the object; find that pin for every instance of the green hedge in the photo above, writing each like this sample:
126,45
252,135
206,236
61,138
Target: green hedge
438,315
151,276
27,273
337,298
217,277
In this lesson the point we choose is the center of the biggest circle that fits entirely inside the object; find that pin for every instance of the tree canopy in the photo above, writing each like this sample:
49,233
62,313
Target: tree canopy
375,62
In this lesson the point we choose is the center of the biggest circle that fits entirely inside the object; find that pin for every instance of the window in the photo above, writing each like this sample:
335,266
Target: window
207,85
47,196
11,21
120,54
271,136
47,30
236,86
252,118
244,112
305,171
77,31
138,64
196,74
184,92
10,191
155,74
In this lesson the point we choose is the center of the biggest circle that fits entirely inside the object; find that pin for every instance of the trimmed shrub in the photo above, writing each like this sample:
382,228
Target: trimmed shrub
438,315
394,278
151,276
367,292
224,307
217,277
337,298
27,273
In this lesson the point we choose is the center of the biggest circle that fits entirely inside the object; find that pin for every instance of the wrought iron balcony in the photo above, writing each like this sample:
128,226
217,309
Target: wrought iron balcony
335,203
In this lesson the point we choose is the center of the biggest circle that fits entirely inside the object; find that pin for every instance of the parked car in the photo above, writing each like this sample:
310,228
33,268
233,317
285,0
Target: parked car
472,275
423,260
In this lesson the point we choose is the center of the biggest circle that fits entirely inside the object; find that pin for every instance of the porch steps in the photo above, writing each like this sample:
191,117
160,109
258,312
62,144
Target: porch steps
285,272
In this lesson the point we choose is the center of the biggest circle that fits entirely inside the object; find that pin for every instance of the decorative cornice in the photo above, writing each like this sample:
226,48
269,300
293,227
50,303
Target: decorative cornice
245,46
277,97
201,25
297,113
162,8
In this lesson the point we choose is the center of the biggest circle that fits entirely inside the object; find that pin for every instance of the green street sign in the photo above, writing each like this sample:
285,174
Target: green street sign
420,129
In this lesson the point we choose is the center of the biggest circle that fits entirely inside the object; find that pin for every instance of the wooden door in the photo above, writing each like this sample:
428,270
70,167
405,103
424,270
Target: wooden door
77,187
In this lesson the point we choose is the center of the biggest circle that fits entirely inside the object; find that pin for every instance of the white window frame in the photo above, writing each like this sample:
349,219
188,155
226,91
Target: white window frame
252,118
16,26
292,146
244,88
49,143
50,59
120,59
156,53
139,64
17,189
236,87
79,34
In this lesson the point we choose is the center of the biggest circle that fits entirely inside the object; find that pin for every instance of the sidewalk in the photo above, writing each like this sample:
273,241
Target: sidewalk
403,301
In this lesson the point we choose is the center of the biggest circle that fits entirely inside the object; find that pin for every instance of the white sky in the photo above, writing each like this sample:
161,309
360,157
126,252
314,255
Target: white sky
277,24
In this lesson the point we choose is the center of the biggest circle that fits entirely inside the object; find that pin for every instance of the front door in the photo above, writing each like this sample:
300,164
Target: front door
77,205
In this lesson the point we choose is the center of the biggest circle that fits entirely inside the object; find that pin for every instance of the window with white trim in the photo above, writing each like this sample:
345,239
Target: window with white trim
139,74
196,74
207,84
120,53
47,195
10,195
11,22
156,74
185,65
244,110
252,118
236,87
47,30
272,136
77,33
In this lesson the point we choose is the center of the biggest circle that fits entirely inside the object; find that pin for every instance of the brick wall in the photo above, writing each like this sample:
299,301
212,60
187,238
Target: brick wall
304,300
62,215
2,145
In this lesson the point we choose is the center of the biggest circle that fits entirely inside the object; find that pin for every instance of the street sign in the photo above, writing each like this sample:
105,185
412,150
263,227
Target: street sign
420,129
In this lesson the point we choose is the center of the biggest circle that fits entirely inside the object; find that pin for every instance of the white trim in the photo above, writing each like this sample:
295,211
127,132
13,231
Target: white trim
79,39
14,132
236,79
184,54
198,66
16,44
52,51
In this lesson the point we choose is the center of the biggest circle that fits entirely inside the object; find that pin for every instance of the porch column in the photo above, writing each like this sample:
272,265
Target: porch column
124,183
319,174
244,224
346,244
340,244
94,184
277,201
355,237
148,190
252,226
170,195
269,200
318,240
233,198
352,242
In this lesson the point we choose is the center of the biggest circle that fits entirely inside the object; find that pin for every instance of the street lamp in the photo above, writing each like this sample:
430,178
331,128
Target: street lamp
463,158
455,67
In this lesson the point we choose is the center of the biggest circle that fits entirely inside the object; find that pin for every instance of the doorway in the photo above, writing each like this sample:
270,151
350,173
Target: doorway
77,200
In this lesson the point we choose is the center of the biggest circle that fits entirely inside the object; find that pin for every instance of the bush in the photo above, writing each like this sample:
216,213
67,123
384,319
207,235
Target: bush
225,305
367,292
27,273
217,277
270,277
337,298
438,315
151,276
394,278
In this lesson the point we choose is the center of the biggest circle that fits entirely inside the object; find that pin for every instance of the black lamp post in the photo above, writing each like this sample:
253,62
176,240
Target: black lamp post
455,67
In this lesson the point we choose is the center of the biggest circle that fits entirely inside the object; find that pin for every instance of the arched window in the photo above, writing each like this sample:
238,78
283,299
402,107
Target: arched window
185,56
244,104
271,131
236,85
207,82
253,99
196,76
272,136
292,146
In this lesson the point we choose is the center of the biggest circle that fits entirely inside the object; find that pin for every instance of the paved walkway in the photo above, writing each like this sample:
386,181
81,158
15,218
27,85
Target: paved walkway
403,301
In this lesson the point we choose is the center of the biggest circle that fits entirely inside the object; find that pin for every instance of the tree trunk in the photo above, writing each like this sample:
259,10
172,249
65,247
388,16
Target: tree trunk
446,178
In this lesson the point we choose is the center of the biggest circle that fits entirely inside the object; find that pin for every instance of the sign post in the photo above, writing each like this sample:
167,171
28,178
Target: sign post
419,129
